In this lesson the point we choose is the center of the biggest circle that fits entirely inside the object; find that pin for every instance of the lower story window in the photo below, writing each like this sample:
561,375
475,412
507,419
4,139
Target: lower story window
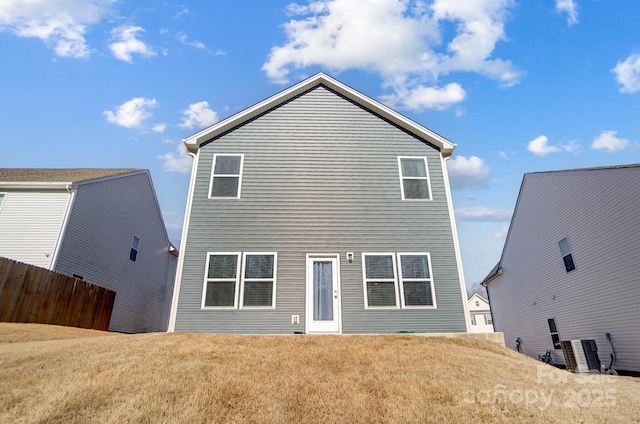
487,319
407,285
416,284
380,283
555,337
231,283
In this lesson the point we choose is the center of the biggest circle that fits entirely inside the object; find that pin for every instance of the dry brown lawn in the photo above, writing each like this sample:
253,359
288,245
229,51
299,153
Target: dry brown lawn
197,378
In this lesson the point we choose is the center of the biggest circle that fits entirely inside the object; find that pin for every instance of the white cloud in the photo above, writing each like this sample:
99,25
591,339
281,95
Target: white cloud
400,40
503,155
607,140
61,24
198,115
628,74
179,161
182,37
422,97
540,146
502,232
126,44
570,8
131,114
482,214
469,172
159,128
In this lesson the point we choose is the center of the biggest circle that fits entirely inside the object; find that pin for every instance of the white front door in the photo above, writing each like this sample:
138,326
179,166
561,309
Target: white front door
323,294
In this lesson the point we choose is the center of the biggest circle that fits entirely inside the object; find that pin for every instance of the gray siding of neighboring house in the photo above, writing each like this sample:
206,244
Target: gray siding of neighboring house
320,176
106,214
598,211
30,223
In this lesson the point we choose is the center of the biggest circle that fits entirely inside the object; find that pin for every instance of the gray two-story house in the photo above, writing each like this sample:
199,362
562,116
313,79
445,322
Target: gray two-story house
319,210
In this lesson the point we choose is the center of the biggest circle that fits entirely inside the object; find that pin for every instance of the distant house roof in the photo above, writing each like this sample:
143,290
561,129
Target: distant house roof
194,142
477,295
51,175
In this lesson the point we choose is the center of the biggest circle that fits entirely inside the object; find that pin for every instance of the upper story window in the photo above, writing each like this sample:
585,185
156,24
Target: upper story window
135,245
226,178
232,284
414,178
1,199
477,303
567,257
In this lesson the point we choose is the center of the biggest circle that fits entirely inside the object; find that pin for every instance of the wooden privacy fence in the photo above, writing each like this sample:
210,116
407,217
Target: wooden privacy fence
32,294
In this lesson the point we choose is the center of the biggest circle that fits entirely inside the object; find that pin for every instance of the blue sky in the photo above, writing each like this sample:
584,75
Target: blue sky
519,86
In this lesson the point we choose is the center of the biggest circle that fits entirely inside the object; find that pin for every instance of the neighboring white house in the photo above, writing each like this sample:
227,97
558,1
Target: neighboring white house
480,315
319,210
570,267
101,225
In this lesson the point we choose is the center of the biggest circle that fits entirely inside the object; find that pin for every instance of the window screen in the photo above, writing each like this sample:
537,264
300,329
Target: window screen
225,180
414,178
380,280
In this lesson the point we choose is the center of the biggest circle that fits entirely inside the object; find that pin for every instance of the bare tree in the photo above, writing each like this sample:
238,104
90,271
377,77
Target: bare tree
476,288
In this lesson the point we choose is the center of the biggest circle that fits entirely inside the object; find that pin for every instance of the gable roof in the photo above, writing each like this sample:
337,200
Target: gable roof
52,175
478,296
497,270
194,142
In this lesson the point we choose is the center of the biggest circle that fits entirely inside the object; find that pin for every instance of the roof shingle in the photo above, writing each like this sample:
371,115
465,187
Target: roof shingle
71,175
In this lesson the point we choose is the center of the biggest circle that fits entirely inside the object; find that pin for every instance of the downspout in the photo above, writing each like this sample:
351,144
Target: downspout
183,242
63,228
484,284
456,244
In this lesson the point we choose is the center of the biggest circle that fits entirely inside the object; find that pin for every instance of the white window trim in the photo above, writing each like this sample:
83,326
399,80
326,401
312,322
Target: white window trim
133,239
430,279
237,281
365,280
3,196
242,280
575,267
428,178
487,318
213,168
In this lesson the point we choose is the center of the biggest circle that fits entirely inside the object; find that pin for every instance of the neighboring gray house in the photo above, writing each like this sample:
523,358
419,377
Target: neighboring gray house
570,267
102,225
319,210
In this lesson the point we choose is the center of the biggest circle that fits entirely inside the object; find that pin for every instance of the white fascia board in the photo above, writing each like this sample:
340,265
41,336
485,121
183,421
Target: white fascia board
194,142
35,185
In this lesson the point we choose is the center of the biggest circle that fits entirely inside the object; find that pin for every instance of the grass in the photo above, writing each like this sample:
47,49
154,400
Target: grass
50,376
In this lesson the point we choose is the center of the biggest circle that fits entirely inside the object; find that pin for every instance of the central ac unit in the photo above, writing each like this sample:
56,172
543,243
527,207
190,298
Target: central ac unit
581,356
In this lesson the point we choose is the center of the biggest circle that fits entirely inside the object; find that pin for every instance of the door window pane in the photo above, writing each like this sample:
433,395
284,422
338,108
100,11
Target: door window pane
322,291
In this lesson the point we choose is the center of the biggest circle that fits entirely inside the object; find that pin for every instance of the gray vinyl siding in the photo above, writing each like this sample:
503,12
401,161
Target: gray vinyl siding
105,216
320,176
598,211
30,223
